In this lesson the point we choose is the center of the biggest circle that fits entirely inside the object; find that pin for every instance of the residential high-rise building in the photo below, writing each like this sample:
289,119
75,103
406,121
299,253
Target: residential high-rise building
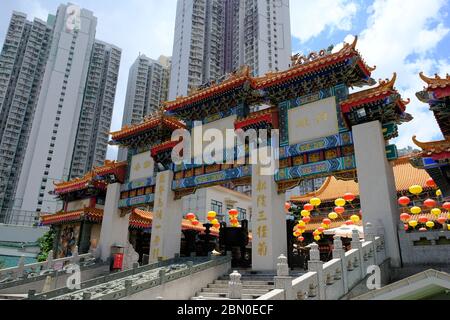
56,123
213,38
147,88
94,125
22,65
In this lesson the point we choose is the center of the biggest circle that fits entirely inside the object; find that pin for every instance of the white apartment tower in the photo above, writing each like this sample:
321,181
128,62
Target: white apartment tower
213,38
94,125
147,88
68,112
22,65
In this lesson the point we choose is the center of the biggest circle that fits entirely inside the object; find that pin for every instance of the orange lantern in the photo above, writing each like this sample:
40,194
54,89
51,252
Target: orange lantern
339,210
405,217
287,206
423,219
446,206
190,216
217,226
308,207
195,222
430,183
234,221
349,197
442,220
430,203
404,201
306,219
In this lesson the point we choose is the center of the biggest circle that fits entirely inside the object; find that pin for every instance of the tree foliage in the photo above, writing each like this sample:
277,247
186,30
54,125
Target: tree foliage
46,244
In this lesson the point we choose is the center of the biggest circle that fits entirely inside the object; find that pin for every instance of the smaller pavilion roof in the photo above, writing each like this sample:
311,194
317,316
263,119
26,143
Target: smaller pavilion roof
91,214
89,179
148,124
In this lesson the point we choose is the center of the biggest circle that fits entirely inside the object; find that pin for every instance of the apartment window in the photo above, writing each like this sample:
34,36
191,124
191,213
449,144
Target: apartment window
216,206
242,213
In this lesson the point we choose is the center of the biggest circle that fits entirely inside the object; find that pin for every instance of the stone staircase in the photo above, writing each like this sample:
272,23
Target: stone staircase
254,285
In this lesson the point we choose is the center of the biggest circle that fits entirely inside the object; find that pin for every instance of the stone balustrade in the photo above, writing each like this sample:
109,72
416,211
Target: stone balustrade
39,270
422,248
123,284
334,279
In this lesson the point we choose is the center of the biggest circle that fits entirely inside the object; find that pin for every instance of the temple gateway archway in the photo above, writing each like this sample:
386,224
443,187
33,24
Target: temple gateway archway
323,130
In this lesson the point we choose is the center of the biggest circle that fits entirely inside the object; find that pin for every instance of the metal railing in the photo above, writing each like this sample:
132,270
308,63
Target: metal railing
19,217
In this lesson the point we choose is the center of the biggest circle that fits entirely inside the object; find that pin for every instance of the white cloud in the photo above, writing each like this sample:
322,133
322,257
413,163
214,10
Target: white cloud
400,36
310,18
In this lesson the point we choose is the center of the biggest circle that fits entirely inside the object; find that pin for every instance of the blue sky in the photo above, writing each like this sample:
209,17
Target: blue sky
395,35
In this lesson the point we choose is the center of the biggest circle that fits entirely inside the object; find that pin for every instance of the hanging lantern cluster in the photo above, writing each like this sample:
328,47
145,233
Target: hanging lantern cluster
233,215
192,218
423,223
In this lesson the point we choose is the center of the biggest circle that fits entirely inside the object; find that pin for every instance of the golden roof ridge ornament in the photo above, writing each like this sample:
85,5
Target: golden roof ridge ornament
388,84
437,80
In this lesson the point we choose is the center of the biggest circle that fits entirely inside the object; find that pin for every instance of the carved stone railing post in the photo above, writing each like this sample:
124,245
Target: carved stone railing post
20,268
49,265
357,244
283,280
75,257
235,286
339,253
369,234
315,265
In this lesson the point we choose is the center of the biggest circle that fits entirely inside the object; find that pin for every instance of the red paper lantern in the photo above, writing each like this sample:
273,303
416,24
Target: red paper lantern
287,206
321,230
195,222
339,210
349,197
234,212
306,219
349,222
406,227
217,226
326,221
301,239
446,206
430,183
405,217
430,203
404,201
190,216
442,220
308,207
234,221
423,219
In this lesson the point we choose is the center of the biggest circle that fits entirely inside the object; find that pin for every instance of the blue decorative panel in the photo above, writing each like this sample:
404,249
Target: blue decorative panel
342,139
124,203
141,183
323,167
244,171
